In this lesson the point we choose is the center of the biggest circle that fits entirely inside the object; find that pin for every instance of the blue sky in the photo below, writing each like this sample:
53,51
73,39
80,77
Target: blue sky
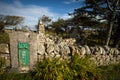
32,10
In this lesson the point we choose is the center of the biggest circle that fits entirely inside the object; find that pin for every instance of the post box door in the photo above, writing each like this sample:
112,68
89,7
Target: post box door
23,49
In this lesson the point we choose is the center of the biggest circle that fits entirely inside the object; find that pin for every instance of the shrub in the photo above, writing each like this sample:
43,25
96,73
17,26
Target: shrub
49,69
76,69
83,69
110,72
56,69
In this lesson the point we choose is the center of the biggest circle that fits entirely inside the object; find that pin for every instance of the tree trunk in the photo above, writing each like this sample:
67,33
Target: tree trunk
113,10
111,24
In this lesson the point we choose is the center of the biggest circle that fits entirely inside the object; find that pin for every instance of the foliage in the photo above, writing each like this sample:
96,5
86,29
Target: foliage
79,68
97,11
85,20
45,19
83,69
58,28
58,23
16,76
2,62
10,20
49,69
4,37
110,72
1,25
95,37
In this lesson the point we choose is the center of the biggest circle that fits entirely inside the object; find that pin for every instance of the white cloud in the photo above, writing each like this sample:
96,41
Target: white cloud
71,1
66,2
65,16
30,12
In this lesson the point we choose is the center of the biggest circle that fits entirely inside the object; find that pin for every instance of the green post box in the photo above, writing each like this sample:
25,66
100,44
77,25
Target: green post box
23,52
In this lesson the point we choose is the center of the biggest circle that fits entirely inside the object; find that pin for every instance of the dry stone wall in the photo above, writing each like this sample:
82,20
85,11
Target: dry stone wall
46,46
4,48
65,48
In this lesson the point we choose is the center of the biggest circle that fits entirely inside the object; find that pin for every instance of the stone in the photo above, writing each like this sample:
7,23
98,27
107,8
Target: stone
87,49
50,48
107,59
49,41
56,52
4,48
101,50
92,49
107,49
41,57
52,55
73,50
116,52
83,51
57,56
41,28
66,50
41,49
112,50
96,48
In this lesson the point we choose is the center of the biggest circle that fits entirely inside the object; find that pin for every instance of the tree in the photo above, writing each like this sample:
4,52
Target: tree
10,20
59,25
45,19
113,7
85,20
101,10
1,25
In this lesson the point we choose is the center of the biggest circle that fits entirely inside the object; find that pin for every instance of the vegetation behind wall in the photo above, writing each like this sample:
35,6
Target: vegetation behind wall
4,37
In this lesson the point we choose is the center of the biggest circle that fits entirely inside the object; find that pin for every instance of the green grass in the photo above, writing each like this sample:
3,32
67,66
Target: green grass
16,76
110,72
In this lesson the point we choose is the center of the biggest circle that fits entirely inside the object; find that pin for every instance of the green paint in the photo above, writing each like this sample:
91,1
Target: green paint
23,49
23,45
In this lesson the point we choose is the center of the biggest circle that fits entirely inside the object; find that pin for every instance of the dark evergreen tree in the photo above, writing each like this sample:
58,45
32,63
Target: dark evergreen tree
99,10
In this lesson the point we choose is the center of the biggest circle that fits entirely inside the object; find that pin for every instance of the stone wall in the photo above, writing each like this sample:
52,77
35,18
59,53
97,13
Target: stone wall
5,53
44,46
100,55
64,48
4,48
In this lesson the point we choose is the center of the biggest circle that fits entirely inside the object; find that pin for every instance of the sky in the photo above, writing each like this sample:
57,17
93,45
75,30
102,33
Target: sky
32,10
